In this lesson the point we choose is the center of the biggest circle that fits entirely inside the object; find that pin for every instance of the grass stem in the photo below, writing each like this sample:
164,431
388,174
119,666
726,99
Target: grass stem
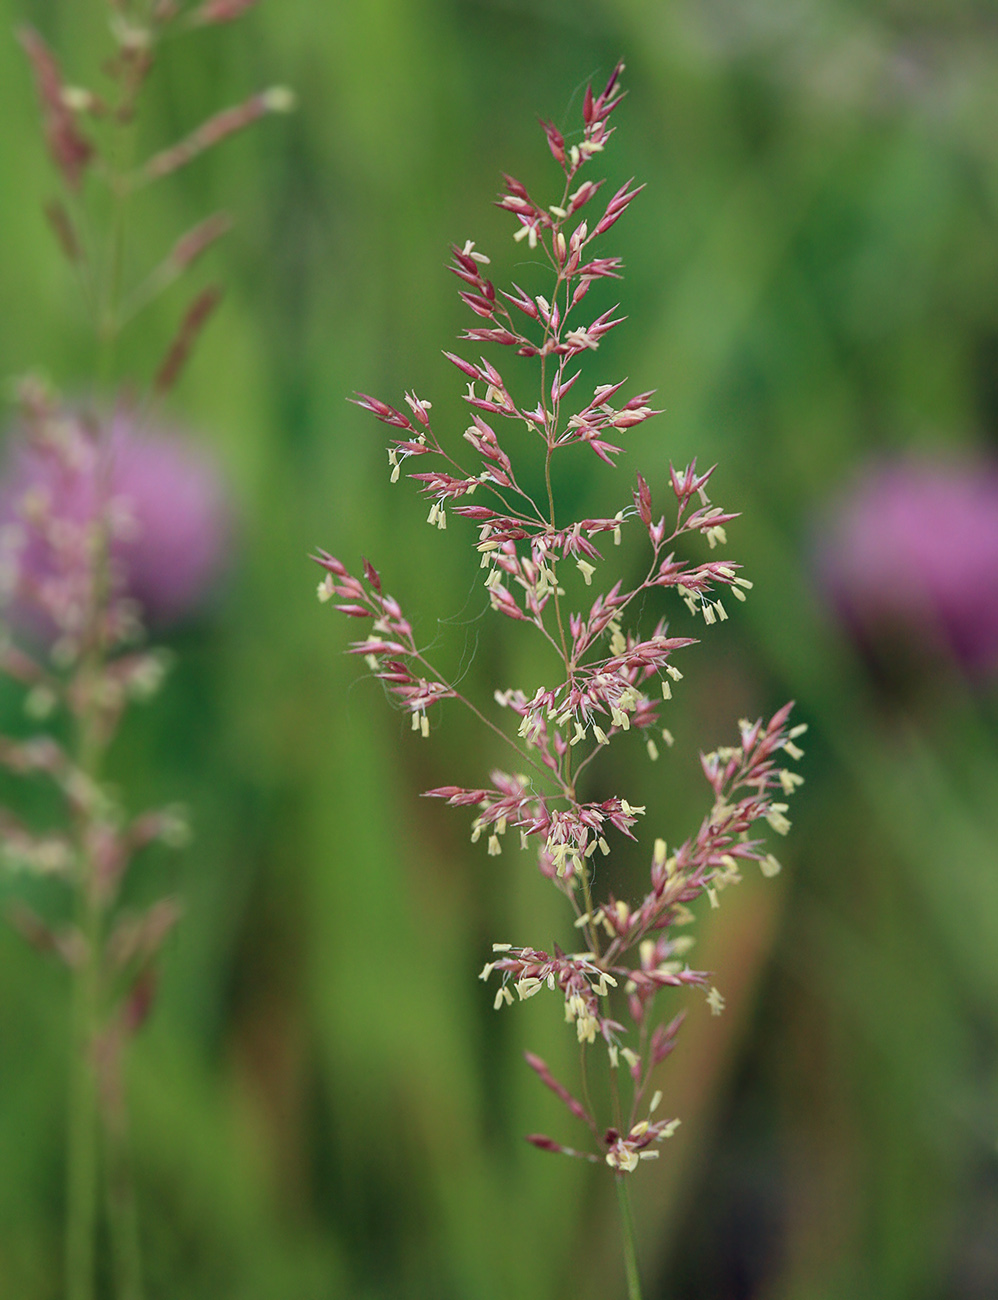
630,1243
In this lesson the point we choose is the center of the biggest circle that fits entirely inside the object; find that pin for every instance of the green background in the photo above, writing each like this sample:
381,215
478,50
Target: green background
324,1104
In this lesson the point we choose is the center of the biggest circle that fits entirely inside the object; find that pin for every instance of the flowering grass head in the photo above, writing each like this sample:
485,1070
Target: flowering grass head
619,959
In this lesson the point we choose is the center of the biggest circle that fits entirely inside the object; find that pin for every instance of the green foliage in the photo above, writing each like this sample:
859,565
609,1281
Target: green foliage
814,278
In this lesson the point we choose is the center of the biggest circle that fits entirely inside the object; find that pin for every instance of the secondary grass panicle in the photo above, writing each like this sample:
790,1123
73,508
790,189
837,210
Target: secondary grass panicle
106,524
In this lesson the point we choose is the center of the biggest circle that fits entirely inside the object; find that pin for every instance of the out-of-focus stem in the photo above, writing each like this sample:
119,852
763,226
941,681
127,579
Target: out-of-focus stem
630,1244
85,1128
109,302
82,1155
83,1142
122,1214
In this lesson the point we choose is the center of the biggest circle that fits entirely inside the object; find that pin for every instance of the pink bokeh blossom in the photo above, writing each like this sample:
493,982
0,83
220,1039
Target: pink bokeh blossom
910,551
163,500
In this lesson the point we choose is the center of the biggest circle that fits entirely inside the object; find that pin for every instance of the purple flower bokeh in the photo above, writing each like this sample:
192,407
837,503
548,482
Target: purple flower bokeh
163,502
909,554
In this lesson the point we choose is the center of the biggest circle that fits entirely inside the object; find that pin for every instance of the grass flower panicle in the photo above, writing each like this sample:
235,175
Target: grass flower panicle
543,569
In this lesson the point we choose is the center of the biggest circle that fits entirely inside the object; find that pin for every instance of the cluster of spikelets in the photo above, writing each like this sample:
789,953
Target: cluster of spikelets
615,677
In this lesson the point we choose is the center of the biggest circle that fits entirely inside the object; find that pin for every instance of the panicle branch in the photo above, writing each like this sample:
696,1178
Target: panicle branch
90,139
278,99
71,151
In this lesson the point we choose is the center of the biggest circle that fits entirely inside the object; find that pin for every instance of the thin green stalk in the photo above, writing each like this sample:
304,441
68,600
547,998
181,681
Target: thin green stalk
630,1244
121,154
82,1155
122,1215
83,1143
85,1129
